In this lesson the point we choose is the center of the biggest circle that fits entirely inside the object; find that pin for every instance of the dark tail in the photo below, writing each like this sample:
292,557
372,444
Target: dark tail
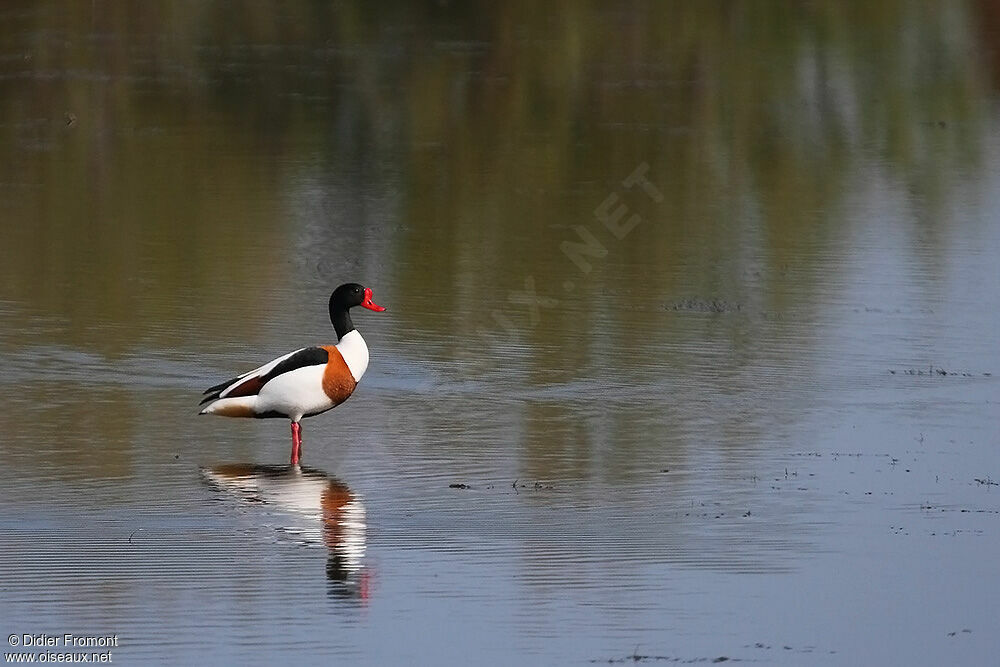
212,393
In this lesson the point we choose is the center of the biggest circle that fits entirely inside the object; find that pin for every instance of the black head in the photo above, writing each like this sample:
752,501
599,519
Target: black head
343,299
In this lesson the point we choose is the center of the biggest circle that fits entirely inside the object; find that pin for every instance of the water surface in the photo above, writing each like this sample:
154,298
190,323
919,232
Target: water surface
690,350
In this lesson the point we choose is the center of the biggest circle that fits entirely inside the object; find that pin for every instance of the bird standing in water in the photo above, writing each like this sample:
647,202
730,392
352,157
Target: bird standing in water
303,383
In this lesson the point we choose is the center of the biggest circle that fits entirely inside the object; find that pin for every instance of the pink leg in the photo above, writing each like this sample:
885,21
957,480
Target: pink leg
296,443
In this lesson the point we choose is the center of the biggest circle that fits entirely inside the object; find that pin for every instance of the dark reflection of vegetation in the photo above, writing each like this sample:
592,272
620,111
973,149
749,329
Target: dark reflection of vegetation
160,162
501,124
100,448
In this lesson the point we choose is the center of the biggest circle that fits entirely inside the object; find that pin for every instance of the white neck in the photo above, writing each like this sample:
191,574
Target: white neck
352,347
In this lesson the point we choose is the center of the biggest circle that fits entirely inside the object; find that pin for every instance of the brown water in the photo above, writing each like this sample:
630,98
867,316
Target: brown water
757,421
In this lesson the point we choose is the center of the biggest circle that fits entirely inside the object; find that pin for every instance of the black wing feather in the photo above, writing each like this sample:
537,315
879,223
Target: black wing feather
310,356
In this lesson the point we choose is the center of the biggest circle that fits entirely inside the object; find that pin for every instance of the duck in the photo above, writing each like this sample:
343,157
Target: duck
303,383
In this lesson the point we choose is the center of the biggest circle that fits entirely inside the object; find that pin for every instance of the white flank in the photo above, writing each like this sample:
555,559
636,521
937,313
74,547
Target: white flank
355,352
295,393
263,370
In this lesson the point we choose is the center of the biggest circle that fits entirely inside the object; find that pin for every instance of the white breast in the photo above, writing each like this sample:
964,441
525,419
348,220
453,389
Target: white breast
352,347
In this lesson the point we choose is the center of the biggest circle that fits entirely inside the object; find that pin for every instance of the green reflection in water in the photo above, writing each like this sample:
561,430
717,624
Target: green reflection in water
148,153
170,170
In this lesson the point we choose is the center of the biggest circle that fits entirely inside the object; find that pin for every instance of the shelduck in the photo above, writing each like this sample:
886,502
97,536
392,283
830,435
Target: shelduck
303,383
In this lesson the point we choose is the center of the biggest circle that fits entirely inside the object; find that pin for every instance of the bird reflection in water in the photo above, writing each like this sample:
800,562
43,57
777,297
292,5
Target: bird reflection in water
332,513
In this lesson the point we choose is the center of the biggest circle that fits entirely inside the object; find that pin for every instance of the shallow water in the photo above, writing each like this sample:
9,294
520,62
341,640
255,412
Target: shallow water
757,421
